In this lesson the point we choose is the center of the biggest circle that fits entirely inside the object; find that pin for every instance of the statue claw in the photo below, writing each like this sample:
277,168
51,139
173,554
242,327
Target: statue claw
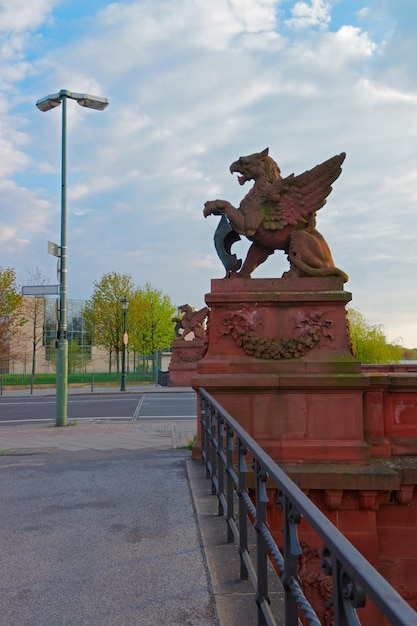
211,208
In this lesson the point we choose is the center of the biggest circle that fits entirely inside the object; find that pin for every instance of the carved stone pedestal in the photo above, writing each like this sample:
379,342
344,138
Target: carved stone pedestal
184,359
279,361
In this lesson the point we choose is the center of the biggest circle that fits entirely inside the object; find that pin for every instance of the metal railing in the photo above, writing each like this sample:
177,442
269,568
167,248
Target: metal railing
225,448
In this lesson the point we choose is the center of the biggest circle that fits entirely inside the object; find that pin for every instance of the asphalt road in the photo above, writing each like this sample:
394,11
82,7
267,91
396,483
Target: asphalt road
125,407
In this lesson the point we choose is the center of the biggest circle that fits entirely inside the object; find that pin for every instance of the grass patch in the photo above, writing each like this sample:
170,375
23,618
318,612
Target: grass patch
191,442
13,380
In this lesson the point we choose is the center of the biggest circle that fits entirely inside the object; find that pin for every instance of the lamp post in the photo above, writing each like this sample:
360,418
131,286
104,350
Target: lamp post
46,104
125,306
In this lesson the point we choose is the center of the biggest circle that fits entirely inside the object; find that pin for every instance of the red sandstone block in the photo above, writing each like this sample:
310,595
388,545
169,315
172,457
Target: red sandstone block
396,516
367,544
401,573
400,412
356,521
395,544
373,414
334,416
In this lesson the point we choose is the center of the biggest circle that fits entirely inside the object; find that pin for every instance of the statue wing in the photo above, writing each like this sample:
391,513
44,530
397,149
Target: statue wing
291,200
198,317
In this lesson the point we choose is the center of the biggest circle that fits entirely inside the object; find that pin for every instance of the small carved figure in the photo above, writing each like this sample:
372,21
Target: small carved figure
278,214
191,321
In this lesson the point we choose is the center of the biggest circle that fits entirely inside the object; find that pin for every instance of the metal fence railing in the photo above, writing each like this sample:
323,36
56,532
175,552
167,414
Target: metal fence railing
226,449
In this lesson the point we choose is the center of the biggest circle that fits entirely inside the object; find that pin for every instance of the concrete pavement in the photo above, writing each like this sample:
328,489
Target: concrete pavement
99,538
96,435
113,523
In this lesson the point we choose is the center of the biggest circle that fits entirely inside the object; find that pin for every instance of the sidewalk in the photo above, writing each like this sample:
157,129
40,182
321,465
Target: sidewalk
113,523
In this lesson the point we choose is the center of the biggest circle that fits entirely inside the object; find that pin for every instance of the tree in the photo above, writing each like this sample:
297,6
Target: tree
369,342
409,354
103,315
35,313
148,318
11,314
151,327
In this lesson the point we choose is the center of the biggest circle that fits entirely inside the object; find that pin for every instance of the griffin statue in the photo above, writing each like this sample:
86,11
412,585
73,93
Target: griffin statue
277,214
191,321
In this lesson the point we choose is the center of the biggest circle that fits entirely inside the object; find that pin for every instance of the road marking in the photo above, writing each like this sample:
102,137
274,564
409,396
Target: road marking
138,408
166,417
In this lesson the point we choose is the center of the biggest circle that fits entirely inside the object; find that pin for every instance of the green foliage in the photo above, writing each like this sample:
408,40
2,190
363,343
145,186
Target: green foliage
78,378
151,321
77,357
103,314
10,298
11,315
369,342
148,319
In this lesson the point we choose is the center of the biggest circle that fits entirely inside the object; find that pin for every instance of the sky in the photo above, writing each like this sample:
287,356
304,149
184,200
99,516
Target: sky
192,85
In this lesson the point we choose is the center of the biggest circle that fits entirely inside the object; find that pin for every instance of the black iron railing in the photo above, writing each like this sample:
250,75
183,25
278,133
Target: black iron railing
226,447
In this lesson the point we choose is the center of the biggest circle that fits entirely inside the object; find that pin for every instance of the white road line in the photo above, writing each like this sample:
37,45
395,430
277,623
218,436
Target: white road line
138,408
166,417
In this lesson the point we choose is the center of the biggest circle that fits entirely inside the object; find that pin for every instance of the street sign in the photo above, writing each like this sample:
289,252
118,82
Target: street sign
125,339
53,248
40,290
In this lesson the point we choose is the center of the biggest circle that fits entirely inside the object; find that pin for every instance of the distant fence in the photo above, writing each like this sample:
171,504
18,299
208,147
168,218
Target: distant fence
163,378
226,447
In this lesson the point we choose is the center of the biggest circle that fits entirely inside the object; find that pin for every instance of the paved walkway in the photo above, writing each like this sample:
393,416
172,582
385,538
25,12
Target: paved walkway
96,435
113,523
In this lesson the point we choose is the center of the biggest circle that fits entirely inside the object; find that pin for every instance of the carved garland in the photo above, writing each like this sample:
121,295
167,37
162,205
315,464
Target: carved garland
192,358
313,328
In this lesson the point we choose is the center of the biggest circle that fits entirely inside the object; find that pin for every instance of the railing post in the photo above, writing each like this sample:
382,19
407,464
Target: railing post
213,451
291,550
243,520
347,595
206,446
229,483
261,548
220,465
203,425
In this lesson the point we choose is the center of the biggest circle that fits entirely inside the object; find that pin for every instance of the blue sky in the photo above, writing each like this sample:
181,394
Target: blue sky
193,85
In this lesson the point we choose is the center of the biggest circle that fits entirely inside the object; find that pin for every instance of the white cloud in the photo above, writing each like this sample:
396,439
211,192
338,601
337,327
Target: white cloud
385,93
12,159
355,42
315,13
20,15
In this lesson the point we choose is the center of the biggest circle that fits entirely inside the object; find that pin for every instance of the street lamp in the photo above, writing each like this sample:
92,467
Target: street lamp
46,104
125,306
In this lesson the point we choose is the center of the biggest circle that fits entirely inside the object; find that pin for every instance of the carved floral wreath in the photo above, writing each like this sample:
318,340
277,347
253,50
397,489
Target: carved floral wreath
313,327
